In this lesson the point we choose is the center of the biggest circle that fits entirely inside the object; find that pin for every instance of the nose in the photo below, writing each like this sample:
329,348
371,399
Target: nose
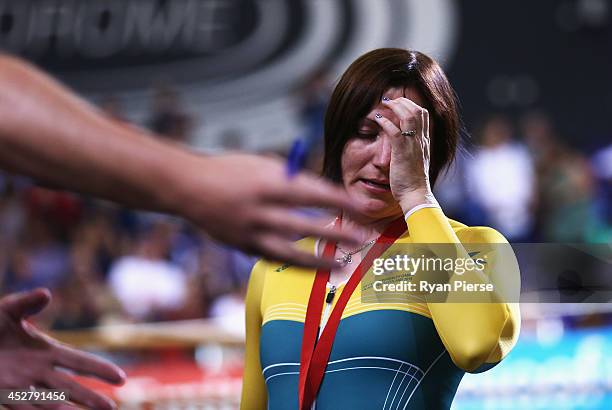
382,153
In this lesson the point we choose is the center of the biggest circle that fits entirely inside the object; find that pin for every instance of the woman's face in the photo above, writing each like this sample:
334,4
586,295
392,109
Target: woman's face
366,158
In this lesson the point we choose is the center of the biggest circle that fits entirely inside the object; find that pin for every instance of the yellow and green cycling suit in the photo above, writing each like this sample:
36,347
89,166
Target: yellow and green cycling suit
403,355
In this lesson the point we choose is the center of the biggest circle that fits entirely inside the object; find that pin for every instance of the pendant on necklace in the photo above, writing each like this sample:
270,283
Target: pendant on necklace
345,260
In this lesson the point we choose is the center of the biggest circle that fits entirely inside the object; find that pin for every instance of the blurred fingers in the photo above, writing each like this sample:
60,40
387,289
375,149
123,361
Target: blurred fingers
308,191
87,364
61,406
24,304
291,224
21,407
276,247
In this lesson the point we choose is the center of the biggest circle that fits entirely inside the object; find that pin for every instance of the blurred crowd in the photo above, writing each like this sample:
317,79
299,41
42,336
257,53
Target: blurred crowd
107,264
521,177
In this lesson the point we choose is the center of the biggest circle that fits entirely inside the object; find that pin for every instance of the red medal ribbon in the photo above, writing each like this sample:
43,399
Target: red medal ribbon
314,356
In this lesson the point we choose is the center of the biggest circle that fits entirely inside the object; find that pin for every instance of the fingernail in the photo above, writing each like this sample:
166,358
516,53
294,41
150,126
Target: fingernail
385,98
122,376
378,115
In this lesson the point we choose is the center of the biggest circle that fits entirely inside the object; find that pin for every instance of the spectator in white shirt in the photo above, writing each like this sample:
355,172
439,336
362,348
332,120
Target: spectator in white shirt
501,179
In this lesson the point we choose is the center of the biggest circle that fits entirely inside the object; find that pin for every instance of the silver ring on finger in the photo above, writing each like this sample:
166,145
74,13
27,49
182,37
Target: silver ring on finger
410,133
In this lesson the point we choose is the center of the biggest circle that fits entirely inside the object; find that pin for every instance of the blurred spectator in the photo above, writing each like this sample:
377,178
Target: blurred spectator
602,165
197,300
603,162
76,307
231,140
40,259
565,184
451,190
168,117
501,179
228,311
312,98
12,212
19,275
226,268
60,210
146,283
85,300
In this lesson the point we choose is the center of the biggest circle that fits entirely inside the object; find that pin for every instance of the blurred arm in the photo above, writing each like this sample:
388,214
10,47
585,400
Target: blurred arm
50,134
243,200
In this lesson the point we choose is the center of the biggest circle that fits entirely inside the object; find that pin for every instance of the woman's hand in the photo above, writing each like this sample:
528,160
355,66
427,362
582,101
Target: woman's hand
410,155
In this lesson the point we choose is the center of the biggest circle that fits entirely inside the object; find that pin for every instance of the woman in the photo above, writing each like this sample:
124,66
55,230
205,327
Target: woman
391,127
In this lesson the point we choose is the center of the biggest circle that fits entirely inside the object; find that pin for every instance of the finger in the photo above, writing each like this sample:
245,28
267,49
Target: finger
408,112
21,407
291,224
410,104
87,364
61,406
24,304
399,143
426,138
403,112
386,125
276,247
77,393
306,190
425,115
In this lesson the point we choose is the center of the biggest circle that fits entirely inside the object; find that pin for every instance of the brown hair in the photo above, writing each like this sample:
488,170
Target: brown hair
362,85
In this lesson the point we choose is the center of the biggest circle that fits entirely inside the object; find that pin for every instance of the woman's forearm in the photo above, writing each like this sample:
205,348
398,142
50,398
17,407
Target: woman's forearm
480,332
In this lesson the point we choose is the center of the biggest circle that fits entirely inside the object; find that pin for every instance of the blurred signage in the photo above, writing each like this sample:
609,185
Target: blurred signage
189,39
120,45
69,32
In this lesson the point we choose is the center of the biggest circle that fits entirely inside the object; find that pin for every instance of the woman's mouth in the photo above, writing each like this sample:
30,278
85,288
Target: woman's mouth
376,185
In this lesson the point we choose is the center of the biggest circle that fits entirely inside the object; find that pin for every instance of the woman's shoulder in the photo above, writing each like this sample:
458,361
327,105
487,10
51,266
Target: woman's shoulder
263,266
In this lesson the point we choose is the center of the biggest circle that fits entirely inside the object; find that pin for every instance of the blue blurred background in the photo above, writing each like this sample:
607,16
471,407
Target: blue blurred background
254,75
